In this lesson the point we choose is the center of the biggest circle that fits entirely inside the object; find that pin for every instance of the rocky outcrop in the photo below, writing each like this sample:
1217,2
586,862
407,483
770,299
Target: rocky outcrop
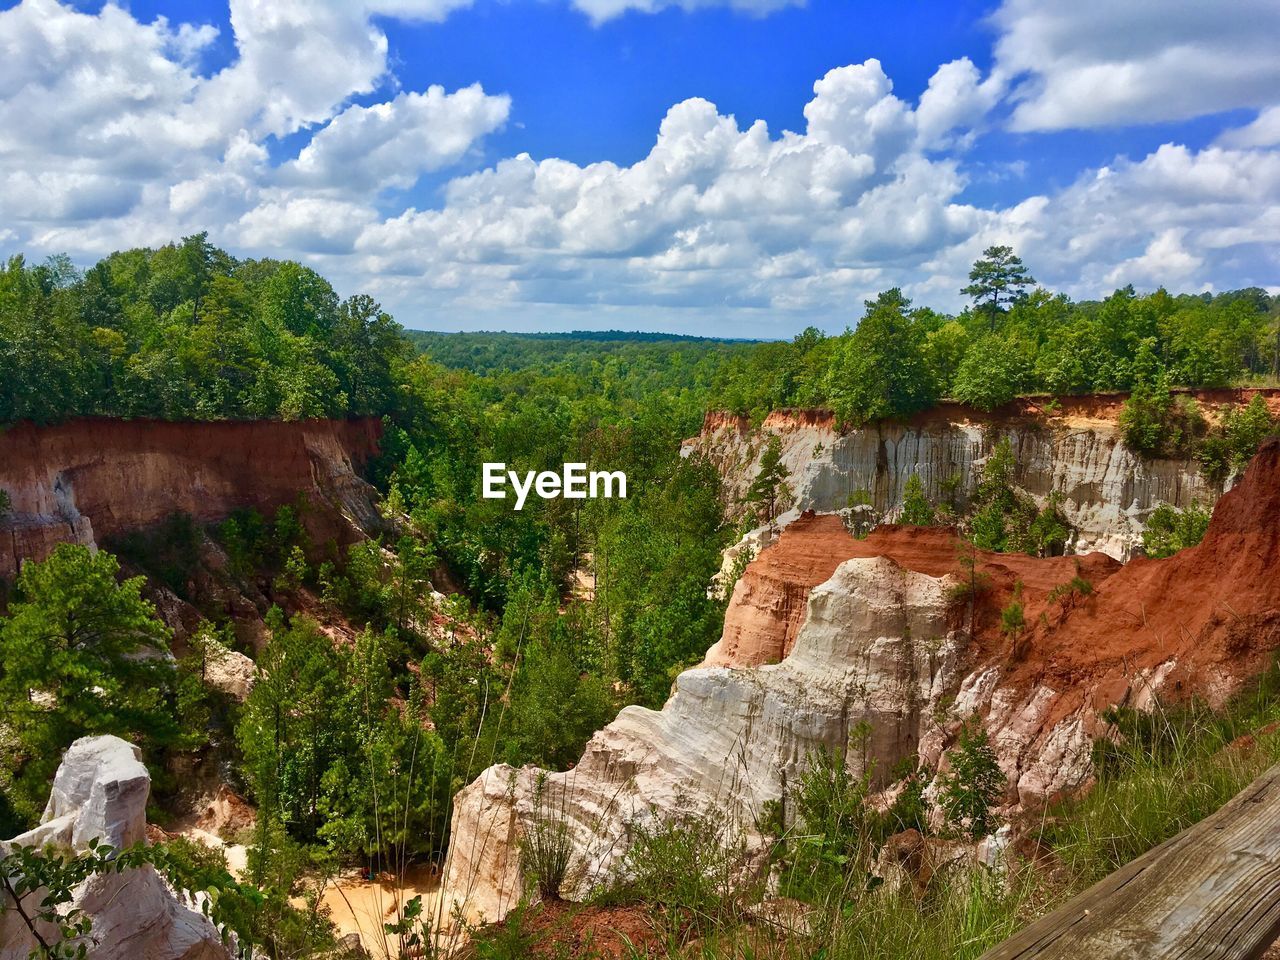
100,791
90,480
898,644
878,645
1074,448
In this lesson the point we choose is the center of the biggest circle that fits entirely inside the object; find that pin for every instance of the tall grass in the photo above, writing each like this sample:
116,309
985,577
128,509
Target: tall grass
1163,771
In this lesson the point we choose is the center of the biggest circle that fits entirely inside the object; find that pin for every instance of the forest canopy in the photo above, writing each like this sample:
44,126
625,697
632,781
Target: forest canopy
188,332
1011,341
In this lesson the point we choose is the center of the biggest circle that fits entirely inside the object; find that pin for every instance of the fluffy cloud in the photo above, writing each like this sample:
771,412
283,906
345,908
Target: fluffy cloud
299,59
1262,132
114,136
716,214
391,144
1177,217
601,10
1098,62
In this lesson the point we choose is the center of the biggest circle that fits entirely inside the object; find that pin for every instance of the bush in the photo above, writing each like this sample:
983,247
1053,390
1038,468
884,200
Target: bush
1157,424
1012,619
833,839
686,865
974,784
1230,447
546,850
992,373
1170,530
916,509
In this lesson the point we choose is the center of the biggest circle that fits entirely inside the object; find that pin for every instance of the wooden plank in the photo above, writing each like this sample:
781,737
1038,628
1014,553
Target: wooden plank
1211,892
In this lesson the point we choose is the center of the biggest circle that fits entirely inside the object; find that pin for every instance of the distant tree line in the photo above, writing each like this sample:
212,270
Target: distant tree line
187,331
1016,339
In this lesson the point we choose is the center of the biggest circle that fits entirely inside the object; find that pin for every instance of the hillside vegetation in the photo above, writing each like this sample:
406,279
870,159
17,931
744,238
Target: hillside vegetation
1014,340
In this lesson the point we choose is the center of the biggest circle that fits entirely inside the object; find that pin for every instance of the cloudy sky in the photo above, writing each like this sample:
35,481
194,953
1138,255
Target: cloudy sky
728,167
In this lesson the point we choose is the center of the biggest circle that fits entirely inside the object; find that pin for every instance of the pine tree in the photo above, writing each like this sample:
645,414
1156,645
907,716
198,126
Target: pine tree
771,480
974,783
999,278
916,508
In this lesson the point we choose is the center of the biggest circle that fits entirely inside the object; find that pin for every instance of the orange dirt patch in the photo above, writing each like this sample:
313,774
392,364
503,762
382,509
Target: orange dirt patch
568,931
226,814
359,905
769,603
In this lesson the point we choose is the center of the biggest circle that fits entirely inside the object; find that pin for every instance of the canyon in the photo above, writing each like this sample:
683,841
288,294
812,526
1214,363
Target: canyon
881,649
1071,445
87,481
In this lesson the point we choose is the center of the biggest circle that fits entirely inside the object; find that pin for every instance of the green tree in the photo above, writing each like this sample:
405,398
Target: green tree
973,784
1155,423
81,653
993,372
1170,530
296,724
771,479
998,278
882,370
1229,448
916,508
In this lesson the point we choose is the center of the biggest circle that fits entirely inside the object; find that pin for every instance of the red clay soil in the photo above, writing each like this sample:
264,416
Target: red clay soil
125,475
762,623
1213,609
570,931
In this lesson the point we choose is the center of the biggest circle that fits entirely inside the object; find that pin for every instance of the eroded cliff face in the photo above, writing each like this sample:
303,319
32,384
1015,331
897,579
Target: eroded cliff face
1075,449
890,656
90,480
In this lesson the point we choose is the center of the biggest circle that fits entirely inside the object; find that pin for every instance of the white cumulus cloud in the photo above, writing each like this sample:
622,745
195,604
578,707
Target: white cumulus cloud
391,144
1093,63
115,135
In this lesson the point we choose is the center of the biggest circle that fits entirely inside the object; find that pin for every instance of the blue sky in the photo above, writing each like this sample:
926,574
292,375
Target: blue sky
558,164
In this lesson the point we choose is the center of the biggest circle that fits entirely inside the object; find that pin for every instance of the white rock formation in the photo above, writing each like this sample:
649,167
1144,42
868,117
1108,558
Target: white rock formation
100,791
876,647
1107,492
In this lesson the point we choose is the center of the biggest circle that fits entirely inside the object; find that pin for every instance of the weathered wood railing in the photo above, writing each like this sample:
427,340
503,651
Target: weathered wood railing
1213,891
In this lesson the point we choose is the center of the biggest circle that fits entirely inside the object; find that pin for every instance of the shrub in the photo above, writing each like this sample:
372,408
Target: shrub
974,784
1157,424
1170,530
916,508
1230,447
546,850
686,864
833,839
1012,619
1078,585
